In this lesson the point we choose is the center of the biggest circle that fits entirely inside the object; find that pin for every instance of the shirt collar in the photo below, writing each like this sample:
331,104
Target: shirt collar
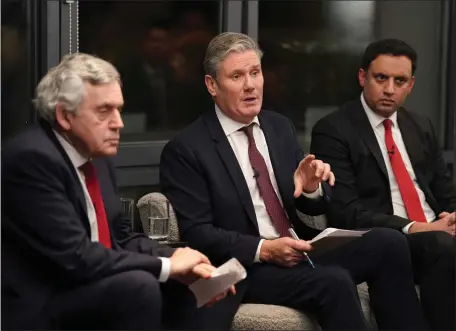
229,125
374,118
75,157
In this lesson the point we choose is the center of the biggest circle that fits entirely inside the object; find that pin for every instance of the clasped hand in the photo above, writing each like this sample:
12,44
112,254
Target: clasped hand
187,265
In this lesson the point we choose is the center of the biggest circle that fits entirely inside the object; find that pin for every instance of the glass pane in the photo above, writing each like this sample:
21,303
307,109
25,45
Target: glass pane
313,50
158,47
16,70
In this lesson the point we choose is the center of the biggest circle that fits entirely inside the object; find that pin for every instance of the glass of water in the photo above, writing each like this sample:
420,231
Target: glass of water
158,221
128,209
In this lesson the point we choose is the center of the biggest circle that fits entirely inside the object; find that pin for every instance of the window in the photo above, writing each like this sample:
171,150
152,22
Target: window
158,48
311,56
313,50
17,70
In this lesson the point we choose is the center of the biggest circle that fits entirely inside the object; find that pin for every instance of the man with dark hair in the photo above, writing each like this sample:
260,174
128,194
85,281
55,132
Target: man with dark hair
391,173
235,178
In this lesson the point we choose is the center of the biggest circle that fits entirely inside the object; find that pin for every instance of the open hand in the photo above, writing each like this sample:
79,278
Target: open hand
310,173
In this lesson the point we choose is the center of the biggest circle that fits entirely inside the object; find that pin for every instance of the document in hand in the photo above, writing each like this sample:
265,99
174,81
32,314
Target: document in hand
228,274
332,238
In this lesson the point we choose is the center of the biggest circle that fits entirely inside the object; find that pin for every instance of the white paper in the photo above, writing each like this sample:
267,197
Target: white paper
228,274
333,232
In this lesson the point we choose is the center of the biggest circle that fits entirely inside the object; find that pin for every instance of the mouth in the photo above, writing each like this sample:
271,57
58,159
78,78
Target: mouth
249,99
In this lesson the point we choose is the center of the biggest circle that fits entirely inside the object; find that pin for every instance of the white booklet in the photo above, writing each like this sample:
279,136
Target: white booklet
331,238
228,274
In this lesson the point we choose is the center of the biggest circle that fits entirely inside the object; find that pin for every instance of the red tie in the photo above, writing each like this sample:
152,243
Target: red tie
408,191
95,194
271,201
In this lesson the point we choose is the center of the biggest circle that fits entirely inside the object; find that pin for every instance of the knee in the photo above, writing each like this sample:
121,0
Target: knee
339,280
141,286
391,242
443,244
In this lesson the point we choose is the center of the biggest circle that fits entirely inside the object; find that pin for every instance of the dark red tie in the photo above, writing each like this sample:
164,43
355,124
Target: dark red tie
271,201
93,186
408,191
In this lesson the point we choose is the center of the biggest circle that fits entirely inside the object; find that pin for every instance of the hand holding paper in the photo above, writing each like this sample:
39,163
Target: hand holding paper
222,279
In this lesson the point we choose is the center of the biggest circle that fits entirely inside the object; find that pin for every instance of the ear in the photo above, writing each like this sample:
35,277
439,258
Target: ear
62,117
362,76
211,85
412,83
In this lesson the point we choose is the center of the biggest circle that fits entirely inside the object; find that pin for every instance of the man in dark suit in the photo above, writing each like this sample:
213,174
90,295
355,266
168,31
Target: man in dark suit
69,260
235,177
391,173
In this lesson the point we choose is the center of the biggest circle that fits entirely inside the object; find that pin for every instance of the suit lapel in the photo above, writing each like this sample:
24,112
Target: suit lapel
409,136
81,202
414,148
361,123
274,148
232,165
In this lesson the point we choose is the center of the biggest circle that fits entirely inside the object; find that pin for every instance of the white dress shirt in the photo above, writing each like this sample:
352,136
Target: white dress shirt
77,160
240,145
376,122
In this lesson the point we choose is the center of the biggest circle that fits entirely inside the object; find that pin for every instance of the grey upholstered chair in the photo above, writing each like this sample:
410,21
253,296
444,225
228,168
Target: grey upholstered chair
257,316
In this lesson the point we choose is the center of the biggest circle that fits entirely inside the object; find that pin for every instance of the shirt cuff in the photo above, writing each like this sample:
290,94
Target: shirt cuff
165,269
257,255
315,194
406,228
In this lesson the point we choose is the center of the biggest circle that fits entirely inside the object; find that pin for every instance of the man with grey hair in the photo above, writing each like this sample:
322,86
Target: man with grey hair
69,259
235,178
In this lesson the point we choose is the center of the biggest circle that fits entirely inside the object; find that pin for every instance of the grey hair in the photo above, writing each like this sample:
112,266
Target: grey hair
224,44
64,83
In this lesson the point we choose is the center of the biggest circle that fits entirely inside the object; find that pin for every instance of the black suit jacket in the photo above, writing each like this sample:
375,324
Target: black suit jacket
46,244
362,196
200,175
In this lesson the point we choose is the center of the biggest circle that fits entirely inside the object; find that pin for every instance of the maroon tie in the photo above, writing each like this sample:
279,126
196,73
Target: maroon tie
93,187
404,181
271,201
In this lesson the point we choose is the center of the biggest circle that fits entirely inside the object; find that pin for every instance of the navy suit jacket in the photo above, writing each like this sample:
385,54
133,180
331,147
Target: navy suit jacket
200,175
362,194
46,246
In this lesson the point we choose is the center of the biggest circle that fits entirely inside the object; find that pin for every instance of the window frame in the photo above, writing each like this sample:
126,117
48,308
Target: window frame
138,162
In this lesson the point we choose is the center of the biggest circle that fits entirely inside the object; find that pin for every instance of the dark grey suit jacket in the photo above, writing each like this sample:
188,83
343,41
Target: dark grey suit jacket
46,244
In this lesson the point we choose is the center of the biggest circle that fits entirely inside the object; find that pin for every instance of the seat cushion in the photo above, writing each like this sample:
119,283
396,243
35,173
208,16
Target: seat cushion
272,317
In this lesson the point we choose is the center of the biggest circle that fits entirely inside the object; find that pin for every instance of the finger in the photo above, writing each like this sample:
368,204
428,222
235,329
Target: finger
332,179
298,186
305,162
326,173
300,246
232,290
204,258
443,214
319,168
202,271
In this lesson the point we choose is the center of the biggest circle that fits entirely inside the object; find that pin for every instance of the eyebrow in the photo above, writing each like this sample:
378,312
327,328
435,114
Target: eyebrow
109,105
395,77
254,67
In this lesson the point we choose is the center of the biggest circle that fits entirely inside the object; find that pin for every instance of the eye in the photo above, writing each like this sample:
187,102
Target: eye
236,76
255,73
400,81
380,77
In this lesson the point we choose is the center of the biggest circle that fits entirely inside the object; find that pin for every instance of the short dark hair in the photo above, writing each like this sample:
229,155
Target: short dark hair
393,47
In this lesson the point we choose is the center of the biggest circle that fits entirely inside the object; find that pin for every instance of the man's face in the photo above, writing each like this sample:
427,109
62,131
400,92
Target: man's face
387,83
238,90
156,45
94,129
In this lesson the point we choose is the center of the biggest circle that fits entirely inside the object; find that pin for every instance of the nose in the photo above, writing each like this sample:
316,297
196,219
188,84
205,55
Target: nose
390,87
248,83
116,122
